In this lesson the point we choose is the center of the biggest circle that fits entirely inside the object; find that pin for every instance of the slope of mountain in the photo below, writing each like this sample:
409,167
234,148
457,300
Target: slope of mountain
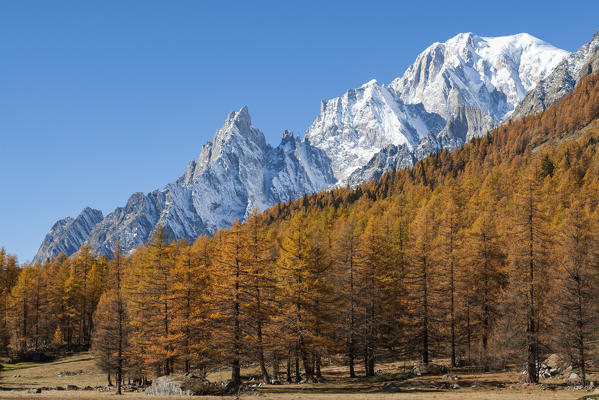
454,91
68,235
233,174
562,80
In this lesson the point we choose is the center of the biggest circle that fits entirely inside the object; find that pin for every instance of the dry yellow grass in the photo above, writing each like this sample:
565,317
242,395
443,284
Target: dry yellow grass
33,375
337,387
505,394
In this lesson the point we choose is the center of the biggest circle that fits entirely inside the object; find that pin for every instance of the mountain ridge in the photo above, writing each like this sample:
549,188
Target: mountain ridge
469,82
234,173
356,137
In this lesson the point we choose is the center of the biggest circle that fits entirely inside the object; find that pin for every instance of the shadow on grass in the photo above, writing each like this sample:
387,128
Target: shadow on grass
30,364
342,389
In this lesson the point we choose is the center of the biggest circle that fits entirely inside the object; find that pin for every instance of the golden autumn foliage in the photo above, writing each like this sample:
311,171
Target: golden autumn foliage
485,255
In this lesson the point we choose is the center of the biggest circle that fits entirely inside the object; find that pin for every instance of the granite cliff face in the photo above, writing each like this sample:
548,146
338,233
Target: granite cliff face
455,91
591,61
391,157
68,235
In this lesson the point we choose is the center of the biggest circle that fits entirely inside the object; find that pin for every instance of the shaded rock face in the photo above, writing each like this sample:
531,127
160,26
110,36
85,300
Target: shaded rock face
568,73
468,122
68,235
590,66
391,157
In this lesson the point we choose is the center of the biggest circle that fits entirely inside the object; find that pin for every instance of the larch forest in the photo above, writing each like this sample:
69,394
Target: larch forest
487,256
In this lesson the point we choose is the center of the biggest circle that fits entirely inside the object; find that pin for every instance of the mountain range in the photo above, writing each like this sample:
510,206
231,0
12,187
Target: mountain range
454,91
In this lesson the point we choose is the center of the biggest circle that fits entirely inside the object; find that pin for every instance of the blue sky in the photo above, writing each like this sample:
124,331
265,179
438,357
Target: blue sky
100,99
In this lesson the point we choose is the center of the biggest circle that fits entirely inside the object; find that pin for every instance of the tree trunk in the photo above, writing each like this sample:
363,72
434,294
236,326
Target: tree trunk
121,316
581,338
532,339
275,365
263,369
365,359
352,318
301,347
119,371
452,294
425,355
236,367
308,370
24,333
370,339
317,362
298,376
186,366
485,317
468,328
289,367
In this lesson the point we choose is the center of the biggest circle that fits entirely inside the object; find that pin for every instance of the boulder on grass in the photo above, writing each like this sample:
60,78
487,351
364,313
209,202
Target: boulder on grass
180,385
429,369
573,376
168,386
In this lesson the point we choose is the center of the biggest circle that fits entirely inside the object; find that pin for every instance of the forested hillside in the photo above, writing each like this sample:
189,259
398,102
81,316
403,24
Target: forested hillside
488,255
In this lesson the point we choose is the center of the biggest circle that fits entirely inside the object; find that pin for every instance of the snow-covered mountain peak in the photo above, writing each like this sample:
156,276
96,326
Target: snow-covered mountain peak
352,128
477,79
237,133
237,123
489,73
239,117
372,82
237,137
